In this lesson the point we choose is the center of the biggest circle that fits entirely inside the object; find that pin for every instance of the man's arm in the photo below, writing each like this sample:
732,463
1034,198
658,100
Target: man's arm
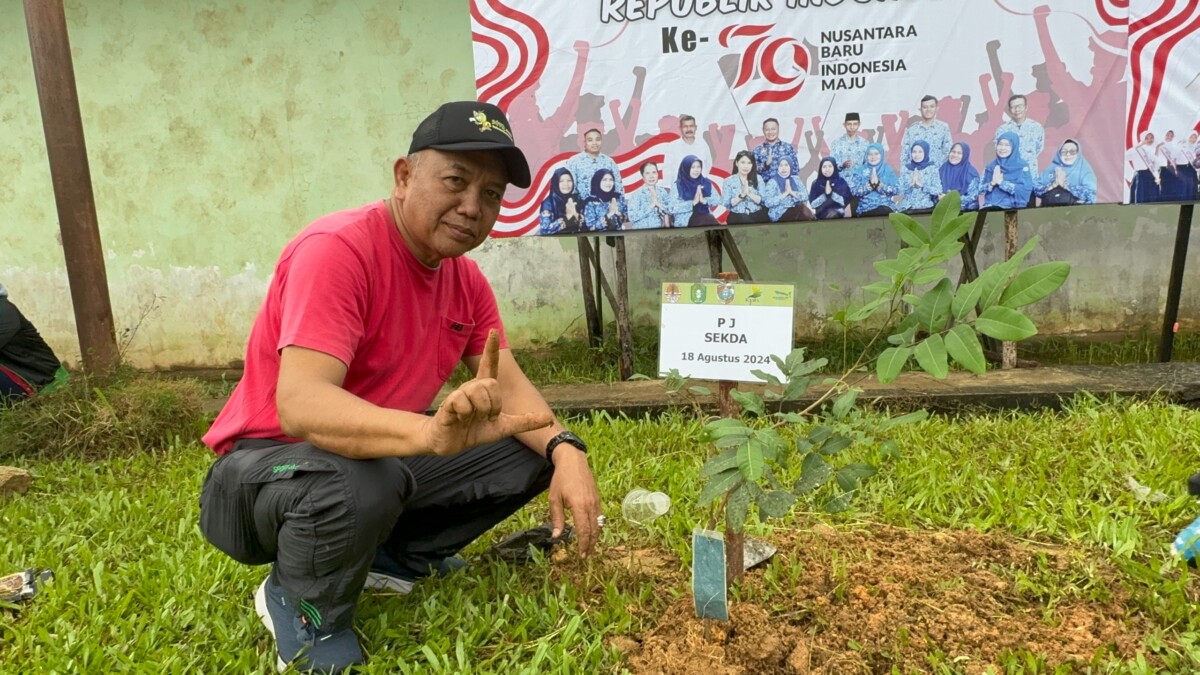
10,321
313,406
573,486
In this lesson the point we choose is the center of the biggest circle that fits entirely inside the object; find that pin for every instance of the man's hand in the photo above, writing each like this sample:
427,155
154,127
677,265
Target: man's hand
574,488
471,415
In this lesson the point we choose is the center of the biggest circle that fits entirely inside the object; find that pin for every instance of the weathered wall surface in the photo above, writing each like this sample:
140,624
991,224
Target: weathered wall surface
216,130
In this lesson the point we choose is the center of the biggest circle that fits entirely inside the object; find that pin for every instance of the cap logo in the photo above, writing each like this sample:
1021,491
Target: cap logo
480,119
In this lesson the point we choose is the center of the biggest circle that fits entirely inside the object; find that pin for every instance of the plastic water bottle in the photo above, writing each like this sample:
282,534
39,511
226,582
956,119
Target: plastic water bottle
642,506
1187,544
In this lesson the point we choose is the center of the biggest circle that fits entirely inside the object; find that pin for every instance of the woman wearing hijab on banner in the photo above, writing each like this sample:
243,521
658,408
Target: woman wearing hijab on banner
562,209
790,203
648,208
1006,182
605,209
1187,150
829,195
1068,180
1144,162
920,182
744,194
958,174
1171,187
875,184
693,200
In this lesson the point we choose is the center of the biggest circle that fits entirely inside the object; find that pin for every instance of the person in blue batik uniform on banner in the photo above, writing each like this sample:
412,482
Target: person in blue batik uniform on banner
772,151
745,194
1068,180
649,204
830,195
875,184
850,149
1007,182
585,165
693,199
790,203
1031,133
562,209
931,130
604,209
920,183
957,173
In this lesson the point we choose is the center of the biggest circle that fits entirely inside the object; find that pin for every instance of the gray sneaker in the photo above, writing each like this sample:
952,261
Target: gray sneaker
389,576
298,635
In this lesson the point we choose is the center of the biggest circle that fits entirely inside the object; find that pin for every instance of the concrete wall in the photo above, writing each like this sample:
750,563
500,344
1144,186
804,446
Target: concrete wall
217,129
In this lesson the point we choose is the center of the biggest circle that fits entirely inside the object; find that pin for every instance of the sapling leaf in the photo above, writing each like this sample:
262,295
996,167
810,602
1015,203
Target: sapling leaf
720,463
891,362
890,267
909,229
771,443
776,503
929,276
944,213
819,434
796,388
934,308
955,230
791,417
838,504
879,288
814,473
965,299
700,391
944,251
931,356
904,337
750,460
1035,283
750,401
1003,323
766,377
843,403
992,283
849,476
636,377
799,367
718,485
963,346
731,440
772,480
889,449
834,444
868,309
737,509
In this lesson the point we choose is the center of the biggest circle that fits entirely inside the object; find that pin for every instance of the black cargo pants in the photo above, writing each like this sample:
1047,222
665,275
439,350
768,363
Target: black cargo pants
319,517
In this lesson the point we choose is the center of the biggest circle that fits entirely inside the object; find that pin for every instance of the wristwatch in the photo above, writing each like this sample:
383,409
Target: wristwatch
565,437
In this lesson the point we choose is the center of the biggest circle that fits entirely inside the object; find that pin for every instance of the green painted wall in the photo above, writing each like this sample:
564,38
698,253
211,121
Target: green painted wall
216,130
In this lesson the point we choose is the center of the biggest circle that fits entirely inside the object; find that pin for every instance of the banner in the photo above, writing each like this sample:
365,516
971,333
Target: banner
736,103
1162,133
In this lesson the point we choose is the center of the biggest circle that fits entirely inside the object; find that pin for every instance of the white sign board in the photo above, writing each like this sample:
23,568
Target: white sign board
712,330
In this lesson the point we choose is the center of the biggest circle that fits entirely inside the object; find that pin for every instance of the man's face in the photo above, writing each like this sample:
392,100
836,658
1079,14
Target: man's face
771,131
929,110
1016,109
687,129
1193,138
852,127
591,142
448,201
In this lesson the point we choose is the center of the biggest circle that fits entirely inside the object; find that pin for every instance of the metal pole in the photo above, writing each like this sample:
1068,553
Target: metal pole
63,127
1175,285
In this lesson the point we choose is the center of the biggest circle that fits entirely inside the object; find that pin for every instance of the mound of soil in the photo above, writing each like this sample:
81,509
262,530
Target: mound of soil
867,601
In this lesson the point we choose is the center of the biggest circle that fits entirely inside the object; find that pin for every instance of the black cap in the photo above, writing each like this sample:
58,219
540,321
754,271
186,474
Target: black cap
852,117
460,126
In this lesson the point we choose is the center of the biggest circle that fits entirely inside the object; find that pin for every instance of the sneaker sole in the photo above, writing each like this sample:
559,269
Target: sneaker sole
386,583
260,608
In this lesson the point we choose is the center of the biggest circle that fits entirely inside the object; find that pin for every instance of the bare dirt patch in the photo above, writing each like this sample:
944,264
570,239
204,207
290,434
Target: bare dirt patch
870,600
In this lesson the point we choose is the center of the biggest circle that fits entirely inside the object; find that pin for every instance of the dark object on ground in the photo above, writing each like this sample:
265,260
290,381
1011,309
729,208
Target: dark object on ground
517,547
21,586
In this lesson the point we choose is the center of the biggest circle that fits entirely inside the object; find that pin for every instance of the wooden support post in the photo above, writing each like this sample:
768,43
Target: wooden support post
599,293
735,542
970,272
54,73
713,237
624,327
735,255
590,312
1008,350
1175,283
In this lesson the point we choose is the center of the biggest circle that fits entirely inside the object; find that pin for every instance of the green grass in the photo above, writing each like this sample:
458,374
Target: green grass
139,590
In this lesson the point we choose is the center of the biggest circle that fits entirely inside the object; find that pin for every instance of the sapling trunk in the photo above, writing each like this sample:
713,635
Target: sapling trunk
734,540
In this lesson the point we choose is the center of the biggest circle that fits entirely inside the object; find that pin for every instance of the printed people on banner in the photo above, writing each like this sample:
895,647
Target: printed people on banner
694,198
1032,135
957,173
1142,160
562,209
930,129
875,184
1190,149
790,203
649,205
848,150
585,165
772,150
920,181
745,194
829,195
604,208
687,145
1007,182
1068,180
1175,185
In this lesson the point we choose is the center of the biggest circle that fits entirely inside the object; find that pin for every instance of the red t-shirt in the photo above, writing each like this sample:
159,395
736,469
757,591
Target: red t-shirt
348,286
